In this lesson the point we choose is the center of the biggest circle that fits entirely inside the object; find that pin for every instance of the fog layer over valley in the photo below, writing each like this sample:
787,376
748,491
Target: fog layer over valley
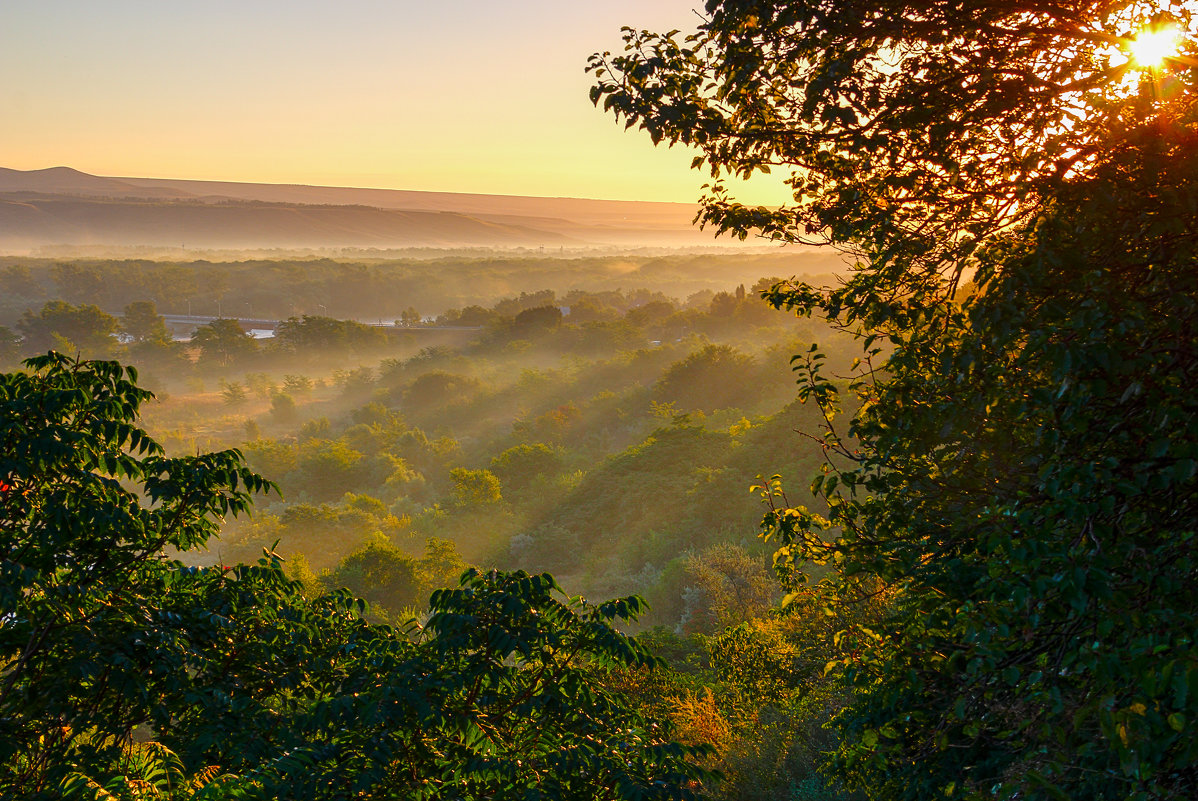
600,426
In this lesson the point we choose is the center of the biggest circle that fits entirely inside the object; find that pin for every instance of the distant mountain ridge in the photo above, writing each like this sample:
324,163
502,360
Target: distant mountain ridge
66,181
63,206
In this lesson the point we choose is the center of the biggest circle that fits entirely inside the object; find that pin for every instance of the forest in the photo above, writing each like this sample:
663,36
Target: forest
612,446
608,438
918,528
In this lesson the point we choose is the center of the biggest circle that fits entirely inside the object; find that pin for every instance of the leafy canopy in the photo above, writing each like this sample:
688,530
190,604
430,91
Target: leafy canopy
105,640
1018,480
82,565
902,126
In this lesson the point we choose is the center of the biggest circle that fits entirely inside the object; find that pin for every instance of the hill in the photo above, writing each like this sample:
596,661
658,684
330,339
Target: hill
63,206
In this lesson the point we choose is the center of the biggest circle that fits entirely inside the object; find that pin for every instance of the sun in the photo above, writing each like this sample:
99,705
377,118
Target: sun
1150,48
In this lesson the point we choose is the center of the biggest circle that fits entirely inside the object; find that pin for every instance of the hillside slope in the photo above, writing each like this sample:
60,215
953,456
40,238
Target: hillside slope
63,206
45,220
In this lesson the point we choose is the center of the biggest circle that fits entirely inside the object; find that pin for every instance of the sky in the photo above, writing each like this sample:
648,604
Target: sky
482,96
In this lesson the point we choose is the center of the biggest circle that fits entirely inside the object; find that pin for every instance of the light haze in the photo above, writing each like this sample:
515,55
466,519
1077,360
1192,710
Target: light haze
460,96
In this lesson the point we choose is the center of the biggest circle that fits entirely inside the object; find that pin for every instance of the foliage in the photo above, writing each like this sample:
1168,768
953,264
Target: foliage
709,379
330,469
297,384
475,487
518,466
324,533
82,576
234,394
78,283
543,432
758,692
392,581
283,408
223,342
1018,479
313,334
735,585
1048,484
655,494
436,389
354,383
9,343
894,120
235,666
83,328
617,507
378,286
17,279
537,320
150,771
260,384
142,321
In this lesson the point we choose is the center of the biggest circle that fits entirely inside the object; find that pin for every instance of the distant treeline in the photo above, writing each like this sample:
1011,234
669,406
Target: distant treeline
370,289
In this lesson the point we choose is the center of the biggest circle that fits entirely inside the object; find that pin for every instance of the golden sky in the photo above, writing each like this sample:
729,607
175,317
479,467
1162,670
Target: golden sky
458,95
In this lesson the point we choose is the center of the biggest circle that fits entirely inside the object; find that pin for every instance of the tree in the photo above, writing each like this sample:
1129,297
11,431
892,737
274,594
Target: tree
736,586
233,394
80,283
356,382
81,565
537,321
715,377
519,465
329,469
10,344
17,279
84,328
469,316
283,408
409,317
499,695
223,342
152,344
475,488
393,581
382,574
652,313
313,334
142,321
926,123
437,389
1007,484
491,704
724,304
297,385
1028,518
